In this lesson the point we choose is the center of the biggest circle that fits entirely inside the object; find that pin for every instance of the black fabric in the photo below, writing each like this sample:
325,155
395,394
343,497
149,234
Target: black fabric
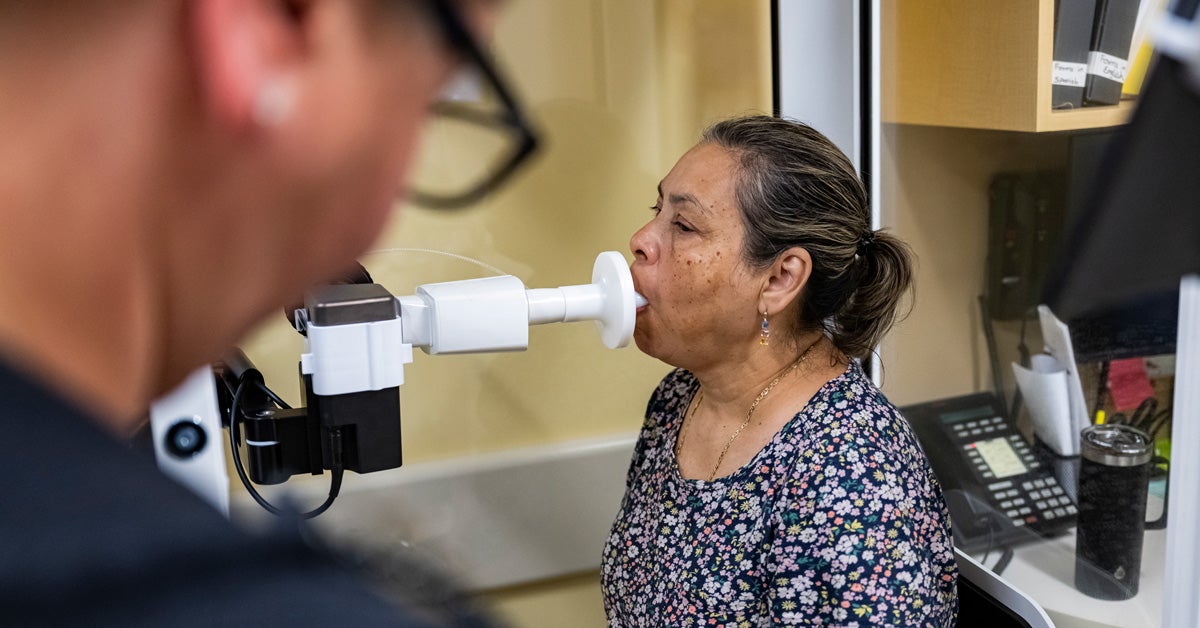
92,534
1140,230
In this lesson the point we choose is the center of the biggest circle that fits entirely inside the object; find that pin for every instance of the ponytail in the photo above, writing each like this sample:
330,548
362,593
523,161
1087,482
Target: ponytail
885,278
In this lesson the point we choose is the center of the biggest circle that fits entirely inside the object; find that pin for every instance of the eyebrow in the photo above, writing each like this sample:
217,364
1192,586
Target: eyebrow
676,198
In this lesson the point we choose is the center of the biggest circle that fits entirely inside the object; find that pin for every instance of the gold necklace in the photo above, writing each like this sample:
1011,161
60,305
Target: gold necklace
749,414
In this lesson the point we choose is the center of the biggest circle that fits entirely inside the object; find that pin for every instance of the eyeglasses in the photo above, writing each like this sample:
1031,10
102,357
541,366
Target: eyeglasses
472,144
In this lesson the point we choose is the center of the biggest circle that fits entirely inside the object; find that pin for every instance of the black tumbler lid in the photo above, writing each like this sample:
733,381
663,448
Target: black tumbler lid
1116,445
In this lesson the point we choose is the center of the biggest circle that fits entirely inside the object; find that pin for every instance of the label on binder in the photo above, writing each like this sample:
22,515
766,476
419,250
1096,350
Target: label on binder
1107,66
1070,74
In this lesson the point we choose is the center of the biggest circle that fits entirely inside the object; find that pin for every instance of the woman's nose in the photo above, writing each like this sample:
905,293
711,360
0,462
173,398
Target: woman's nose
642,244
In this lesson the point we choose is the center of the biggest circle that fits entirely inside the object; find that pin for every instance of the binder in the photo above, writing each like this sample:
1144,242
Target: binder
1108,55
1072,40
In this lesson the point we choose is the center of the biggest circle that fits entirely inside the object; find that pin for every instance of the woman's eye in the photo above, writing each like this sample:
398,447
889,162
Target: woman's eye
677,224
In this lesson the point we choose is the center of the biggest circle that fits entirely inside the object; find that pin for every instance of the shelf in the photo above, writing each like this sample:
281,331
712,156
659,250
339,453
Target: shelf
976,65
1086,118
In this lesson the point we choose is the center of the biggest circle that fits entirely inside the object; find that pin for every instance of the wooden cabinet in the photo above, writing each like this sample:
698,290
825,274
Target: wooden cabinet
976,64
965,95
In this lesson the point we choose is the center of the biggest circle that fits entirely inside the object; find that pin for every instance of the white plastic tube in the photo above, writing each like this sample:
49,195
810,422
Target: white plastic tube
494,314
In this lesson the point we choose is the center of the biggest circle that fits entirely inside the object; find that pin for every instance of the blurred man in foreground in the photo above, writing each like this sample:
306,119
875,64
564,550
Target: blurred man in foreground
171,172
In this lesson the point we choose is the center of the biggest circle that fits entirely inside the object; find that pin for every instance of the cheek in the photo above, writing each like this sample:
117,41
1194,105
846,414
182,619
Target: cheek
704,272
696,283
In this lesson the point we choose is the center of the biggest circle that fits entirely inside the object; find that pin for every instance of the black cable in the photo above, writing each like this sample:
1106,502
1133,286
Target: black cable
335,484
274,397
991,526
989,335
1014,408
1145,414
1003,561
1158,422
1022,347
1101,386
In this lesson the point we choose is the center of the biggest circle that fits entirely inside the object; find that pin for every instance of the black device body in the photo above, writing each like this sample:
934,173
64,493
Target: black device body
998,493
357,431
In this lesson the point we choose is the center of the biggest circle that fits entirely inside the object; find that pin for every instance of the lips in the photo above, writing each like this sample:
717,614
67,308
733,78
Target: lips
639,298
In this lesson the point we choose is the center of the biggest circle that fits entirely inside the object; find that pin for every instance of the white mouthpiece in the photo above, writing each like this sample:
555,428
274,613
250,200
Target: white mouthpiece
639,300
609,300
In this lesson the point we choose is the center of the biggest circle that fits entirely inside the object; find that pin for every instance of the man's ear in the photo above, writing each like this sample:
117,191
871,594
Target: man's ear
246,55
788,276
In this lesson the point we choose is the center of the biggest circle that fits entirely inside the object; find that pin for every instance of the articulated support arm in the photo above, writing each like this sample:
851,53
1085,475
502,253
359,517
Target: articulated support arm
359,337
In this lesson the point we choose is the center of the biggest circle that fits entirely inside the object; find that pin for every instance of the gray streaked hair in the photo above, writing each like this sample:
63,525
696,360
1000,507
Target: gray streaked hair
794,188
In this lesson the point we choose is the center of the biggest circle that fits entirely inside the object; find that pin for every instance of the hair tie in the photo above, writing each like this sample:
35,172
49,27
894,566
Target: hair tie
865,241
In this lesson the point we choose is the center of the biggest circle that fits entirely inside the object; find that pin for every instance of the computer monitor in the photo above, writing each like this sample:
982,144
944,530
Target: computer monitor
1143,327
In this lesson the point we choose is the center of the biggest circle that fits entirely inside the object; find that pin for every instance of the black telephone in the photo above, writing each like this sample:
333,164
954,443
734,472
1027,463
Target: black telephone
997,491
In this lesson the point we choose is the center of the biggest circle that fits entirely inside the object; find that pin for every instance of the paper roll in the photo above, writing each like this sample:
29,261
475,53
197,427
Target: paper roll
1044,387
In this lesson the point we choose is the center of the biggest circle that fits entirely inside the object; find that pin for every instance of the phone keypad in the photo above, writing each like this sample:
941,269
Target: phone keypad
979,428
1027,502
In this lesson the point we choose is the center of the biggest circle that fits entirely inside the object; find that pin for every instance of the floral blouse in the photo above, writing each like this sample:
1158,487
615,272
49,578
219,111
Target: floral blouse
838,521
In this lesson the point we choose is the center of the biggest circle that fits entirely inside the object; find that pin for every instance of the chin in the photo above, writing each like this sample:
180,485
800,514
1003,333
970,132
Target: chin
643,344
646,346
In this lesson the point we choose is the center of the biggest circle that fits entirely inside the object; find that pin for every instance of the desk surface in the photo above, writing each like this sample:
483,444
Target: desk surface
1045,570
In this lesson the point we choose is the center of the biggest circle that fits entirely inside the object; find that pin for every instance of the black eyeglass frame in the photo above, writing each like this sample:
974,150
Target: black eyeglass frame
511,118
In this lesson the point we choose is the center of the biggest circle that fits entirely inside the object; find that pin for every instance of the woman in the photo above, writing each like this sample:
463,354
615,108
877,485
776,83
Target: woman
772,482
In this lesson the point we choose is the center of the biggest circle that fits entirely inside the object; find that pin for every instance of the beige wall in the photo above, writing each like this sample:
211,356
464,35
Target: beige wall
935,196
620,89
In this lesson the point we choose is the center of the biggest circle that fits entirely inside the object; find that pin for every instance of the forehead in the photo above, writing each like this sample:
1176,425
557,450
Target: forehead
706,172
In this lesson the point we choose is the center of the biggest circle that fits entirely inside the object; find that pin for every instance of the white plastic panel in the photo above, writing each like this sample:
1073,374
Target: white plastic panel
356,357
477,315
819,69
194,401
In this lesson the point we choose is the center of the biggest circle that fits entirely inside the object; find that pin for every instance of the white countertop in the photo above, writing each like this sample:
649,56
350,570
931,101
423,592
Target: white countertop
1045,570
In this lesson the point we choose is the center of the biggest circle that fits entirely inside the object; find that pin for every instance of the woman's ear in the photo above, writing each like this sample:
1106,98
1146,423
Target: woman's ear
247,56
786,279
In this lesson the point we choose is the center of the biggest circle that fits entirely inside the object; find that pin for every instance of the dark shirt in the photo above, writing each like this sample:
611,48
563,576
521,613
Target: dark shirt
92,534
